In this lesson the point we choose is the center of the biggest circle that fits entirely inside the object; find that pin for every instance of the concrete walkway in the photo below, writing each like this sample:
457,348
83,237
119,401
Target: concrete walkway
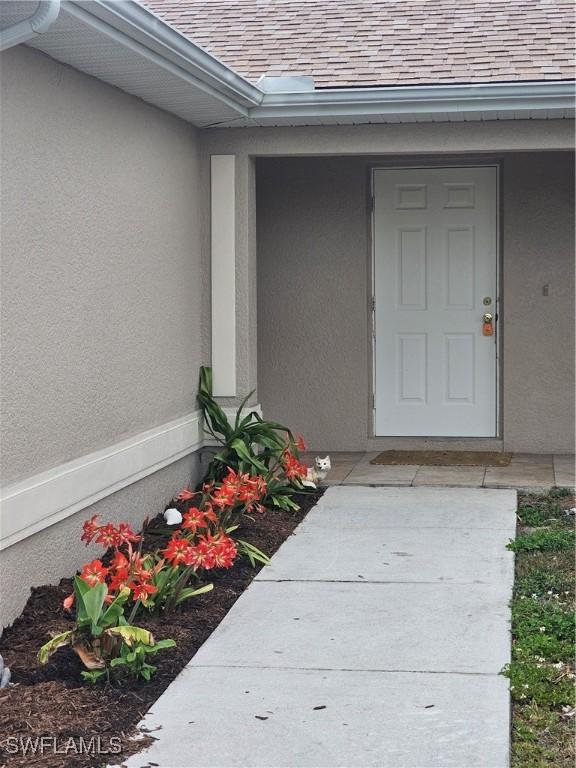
375,638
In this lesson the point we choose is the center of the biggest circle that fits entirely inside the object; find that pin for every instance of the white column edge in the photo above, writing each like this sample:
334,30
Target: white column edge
223,273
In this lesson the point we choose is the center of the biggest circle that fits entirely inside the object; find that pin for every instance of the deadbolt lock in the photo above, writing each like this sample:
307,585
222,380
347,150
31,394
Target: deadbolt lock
487,300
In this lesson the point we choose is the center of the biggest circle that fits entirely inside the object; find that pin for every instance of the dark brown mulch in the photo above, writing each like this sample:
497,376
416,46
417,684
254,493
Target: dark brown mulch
53,701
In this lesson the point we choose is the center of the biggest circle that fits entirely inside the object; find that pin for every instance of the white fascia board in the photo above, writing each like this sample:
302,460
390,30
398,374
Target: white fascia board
414,100
139,29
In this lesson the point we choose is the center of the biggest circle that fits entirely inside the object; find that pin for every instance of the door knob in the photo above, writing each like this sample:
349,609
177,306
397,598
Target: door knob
487,317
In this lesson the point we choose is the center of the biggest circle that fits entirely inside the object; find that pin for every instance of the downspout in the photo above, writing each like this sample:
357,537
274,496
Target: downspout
43,18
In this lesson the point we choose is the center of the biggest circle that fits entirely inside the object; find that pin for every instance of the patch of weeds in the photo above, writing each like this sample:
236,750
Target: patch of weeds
543,539
559,493
541,738
545,582
560,563
541,683
549,514
542,669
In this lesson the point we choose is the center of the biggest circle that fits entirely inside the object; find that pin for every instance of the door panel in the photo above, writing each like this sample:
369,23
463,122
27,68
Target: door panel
435,246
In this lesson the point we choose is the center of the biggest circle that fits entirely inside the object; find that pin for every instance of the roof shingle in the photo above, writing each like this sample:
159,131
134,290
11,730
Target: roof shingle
354,43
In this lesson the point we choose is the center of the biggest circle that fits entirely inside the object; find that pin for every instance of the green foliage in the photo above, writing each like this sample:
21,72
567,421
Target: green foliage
172,585
543,628
253,554
548,514
542,669
90,612
541,581
543,540
250,444
102,637
134,658
540,683
560,493
541,738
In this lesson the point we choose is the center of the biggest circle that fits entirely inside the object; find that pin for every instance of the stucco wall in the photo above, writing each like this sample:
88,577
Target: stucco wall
104,281
313,262
538,251
312,298
105,293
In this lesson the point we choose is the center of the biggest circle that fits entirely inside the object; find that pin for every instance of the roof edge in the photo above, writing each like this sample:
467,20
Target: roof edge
133,22
415,99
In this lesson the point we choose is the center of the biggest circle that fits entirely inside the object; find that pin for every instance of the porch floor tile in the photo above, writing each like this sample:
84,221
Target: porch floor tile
450,476
564,470
529,471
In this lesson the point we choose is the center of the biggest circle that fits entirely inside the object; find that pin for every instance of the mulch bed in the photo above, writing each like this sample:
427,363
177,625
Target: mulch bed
53,701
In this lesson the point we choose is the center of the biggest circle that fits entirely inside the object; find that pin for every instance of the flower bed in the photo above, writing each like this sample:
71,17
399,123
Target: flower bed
89,656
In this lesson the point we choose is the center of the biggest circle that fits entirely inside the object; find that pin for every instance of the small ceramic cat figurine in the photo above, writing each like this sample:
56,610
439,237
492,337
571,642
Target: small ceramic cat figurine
318,471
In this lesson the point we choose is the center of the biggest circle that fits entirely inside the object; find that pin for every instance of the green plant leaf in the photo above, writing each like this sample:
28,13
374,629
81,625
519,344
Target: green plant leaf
58,641
242,450
241,408
115,609
192,592
132,635
252,553
89,604
93,675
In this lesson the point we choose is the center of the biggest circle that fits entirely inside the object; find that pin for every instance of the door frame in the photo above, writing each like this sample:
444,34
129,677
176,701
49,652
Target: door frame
426,164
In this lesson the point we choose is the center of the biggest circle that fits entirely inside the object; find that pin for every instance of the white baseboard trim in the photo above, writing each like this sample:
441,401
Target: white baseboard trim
44,499
29,506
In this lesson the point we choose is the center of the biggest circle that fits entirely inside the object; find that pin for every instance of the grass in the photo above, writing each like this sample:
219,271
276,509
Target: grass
542,669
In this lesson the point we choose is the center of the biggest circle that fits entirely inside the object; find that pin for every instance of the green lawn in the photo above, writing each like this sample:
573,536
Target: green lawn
542,669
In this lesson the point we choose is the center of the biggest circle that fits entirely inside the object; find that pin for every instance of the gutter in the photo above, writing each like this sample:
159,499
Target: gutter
41,20
415,100
139,29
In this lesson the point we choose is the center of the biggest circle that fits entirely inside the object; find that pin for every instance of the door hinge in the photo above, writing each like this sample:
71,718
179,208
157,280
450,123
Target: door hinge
373,304
373,401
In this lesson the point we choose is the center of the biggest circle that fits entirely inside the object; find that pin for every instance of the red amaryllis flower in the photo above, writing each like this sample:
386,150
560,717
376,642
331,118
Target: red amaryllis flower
106,535
209,513
193,519
69,602
293,468
119,562
125,535
177,551
94,573
201,556
119,580
90,528
141,591
224,497
224,551
185,495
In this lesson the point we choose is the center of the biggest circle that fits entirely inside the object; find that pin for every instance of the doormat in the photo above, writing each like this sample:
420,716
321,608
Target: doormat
444,458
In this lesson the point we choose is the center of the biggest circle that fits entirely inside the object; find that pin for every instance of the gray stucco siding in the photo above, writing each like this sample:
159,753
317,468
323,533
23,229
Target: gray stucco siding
105,283
314,366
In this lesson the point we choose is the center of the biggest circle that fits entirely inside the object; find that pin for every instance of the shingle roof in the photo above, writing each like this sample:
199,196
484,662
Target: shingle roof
352,43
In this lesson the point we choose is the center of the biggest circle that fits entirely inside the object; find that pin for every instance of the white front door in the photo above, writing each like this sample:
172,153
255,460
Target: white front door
435,267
